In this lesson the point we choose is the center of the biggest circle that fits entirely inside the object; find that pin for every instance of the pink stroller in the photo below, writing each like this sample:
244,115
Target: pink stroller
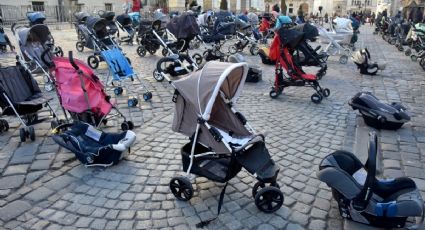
81,93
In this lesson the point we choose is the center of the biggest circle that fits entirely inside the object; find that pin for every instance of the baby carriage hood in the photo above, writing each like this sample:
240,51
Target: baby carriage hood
310,31
184,26
290,37
36,33
35,17
204,101
81,16
98,26
124,20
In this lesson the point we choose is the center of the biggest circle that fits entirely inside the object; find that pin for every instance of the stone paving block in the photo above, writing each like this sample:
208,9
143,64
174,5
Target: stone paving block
10,182
16,169
24,154
40,165
39,194
13,209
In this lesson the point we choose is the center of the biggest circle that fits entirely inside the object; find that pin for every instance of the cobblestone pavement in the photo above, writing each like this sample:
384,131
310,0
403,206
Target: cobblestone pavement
43,186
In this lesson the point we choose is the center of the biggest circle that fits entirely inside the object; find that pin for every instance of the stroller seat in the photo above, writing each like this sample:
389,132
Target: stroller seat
366,199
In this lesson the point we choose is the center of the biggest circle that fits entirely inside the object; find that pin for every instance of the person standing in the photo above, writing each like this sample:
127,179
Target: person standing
137,6
372,19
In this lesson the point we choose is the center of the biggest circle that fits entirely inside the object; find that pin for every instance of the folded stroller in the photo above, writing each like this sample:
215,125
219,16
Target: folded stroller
93,147
221,140
20,96
125,24
81,93
361,59
378,114
33,41
361,197
283,46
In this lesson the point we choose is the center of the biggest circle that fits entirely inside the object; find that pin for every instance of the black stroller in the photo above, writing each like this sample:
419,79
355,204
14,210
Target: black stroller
147,40
109,17
80,19
24,101
125,24
221,140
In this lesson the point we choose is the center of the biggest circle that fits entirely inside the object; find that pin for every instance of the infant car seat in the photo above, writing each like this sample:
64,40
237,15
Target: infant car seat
366,199
361,59
254,72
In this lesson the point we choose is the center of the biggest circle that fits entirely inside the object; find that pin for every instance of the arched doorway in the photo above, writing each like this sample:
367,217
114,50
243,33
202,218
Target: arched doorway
304,8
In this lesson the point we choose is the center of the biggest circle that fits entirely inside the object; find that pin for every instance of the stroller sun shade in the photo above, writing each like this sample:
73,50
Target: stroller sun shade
290,37
184,26
310,31
36,17
81,16
37,33
124,19
98,26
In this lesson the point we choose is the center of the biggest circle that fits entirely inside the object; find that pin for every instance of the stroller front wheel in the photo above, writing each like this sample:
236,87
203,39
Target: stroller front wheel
48,86
164,52
254,50
343,59
408,52
233,49
93,62
326,92
269,199
316,98
260,185
141,51
181,188
273,94
158,76
79,46
198,58
147,96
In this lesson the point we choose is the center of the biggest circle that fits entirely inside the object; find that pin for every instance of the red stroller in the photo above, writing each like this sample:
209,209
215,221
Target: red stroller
282,50
81,93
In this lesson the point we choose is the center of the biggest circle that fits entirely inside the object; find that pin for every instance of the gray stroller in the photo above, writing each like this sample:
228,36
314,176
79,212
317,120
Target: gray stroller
221,140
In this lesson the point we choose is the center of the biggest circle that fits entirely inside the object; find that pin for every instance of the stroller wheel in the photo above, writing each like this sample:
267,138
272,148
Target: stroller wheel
132,102
31,133
269,199
343,59
414,58
316,98
181,188
233,49
408,52
141,51
93,61
147,96
48,86
58,52
254,50
158,76
130,125
118,91
79,46
198,58
261,185
326,92
400,48
164,52
22,134
4,125
273,94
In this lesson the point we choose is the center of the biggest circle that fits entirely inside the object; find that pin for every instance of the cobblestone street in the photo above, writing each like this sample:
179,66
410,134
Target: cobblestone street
43,186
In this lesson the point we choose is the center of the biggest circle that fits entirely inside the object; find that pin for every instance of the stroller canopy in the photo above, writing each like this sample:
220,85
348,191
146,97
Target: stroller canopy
35,17
290,37
199,96
37,33
253,18
124,20
342,23
108,15
97,26
309,30
81,16
159,15
184,26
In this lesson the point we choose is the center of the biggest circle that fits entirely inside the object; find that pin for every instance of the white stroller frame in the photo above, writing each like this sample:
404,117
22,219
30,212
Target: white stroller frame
334,47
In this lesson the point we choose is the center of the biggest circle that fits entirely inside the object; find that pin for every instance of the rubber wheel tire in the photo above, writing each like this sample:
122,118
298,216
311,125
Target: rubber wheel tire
147,96
232,49
141,51
273,94
130,125
254,50
414,58
326,92
22,134
158,76
269,199
198,58
400,48
343,59
31,133
125,126
259,185
48,86
79,46
408,52
181,188
93,62
316,98
59,52
164,52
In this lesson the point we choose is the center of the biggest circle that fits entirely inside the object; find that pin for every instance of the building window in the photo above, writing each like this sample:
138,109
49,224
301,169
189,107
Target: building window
37,6
80,7
108,6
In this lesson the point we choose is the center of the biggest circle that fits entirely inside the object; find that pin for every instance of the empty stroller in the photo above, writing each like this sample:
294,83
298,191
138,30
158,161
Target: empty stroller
80,19
361,197
81,92
20,96
361,59
125,24
93,147
109,17
284,44
221,140
33,41
147,39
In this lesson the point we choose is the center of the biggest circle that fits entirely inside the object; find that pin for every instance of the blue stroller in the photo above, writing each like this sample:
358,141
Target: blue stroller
121,71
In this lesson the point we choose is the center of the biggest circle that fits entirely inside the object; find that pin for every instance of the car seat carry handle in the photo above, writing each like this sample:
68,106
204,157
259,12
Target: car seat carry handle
71,60
361,201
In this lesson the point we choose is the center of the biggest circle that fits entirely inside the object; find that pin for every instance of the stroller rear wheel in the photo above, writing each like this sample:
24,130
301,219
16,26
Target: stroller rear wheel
233,49
127,125
326,92
4,125
269,199
343,59
141,51
254,50
260,185
118,91
316,98
198,58
164,52
157,75
181,188
132,102
22,134
31,133
79,46
93,62
408,52
147,96
274,94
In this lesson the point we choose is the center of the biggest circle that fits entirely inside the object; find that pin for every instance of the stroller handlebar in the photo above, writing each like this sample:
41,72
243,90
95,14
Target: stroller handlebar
71,60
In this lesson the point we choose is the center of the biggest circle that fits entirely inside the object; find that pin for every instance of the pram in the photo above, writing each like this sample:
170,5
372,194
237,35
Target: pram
20,96
361,197
305,55
4,39
222,142
93,147
33,42
185,28
110,23
283,46
81,92
125,24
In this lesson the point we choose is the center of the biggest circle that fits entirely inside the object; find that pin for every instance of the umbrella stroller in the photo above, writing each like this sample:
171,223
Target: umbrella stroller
284,44
221,140
185,28
81,93
125,24
109,17
20,96
33,41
